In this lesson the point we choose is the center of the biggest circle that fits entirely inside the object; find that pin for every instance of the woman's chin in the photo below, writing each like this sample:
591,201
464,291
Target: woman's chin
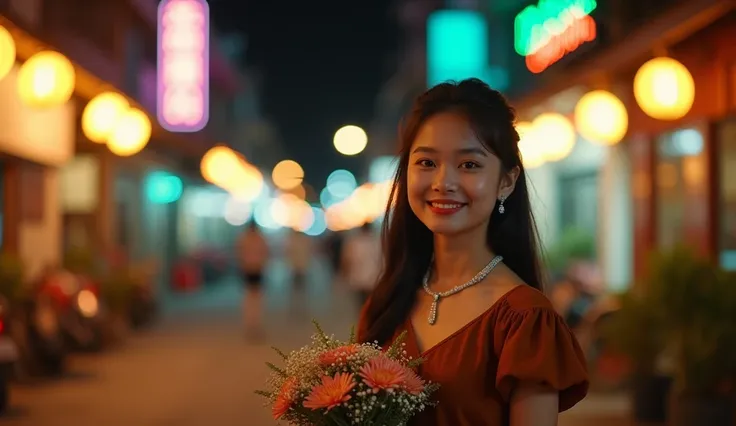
447,229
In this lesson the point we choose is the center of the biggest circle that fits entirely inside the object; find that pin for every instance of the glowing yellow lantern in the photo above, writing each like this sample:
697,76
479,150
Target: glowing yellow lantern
7,52
221,166
131,134
556,134
287,174
247,184
601,117
532,152
664,89
46,79
102,114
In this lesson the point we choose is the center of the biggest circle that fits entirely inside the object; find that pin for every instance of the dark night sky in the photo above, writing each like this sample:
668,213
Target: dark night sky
323,62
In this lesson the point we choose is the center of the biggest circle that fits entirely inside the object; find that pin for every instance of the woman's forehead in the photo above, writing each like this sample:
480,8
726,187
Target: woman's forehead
447,132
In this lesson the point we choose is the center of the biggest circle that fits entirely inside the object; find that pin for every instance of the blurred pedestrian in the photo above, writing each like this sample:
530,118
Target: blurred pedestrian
299,254
253,255
361,262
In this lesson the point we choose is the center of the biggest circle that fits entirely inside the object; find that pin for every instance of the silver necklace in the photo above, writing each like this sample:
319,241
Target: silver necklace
436,296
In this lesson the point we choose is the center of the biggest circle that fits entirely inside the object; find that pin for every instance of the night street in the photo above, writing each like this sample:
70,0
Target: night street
196,367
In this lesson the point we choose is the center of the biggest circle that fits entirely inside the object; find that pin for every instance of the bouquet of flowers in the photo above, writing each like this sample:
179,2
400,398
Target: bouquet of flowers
336,383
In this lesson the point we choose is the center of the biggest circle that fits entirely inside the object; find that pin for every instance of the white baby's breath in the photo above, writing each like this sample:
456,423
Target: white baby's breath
306,367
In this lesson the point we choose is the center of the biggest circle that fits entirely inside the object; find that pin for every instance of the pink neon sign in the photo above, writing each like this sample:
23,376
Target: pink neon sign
183,89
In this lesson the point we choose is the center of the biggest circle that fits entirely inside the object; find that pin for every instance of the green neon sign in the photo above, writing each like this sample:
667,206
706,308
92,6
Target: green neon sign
535,25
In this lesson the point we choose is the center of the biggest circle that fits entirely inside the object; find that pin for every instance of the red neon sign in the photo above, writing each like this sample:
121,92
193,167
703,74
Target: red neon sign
183,65
582,30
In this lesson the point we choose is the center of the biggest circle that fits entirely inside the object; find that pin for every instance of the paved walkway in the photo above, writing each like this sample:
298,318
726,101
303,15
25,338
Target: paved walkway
196,368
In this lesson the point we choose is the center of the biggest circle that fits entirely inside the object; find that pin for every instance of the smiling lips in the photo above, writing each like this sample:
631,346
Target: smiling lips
445,207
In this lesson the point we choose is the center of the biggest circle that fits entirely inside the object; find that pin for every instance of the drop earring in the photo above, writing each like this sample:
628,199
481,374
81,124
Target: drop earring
501,208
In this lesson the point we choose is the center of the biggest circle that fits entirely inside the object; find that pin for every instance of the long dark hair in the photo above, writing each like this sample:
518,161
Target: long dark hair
408,243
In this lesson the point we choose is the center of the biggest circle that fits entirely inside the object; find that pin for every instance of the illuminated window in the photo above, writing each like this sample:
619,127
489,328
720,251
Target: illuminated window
675,151
727,196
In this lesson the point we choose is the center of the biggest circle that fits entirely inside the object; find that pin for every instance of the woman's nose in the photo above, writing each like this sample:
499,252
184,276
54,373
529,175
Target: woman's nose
445,180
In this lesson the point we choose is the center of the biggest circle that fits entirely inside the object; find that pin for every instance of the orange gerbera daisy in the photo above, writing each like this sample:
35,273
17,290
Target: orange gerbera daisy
332,392
382,373
411,382
285,398
335,355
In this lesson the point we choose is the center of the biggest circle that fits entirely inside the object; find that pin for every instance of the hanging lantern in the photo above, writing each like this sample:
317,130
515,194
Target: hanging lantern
247,184
46,79
556,134
601,117
220,165
131,134
530,147
287,174
7,52
664,89
102,114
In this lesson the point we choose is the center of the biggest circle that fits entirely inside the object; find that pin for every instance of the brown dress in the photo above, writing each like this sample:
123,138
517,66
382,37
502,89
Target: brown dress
519,338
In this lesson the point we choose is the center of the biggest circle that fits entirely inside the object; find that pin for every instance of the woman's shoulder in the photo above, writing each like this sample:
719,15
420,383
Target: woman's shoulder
524,297
534,344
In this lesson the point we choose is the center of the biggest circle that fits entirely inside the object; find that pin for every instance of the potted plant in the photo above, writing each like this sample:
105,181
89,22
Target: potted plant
116,291
698,305
636,331
573,244
11,277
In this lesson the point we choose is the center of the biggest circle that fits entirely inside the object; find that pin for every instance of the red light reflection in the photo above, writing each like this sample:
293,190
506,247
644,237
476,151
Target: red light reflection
579,32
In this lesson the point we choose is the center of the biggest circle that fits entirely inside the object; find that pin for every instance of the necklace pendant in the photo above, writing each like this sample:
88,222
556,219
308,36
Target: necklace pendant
433,310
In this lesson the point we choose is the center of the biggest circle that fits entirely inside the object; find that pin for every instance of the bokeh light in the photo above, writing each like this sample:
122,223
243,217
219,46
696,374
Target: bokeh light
350,140
7,52
46,80
131,134
287,174
102,114
341,183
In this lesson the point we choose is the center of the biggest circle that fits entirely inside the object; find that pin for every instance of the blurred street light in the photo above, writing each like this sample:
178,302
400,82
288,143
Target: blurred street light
102,114
131,133
350,140
601,117
45,80
7,52
287,174
664,89
559,134
530,146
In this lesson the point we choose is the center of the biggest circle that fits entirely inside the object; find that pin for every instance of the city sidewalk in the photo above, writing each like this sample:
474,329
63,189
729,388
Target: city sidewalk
599,410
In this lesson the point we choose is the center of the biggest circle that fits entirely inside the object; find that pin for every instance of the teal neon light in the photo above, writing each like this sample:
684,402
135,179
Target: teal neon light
457,45
535,25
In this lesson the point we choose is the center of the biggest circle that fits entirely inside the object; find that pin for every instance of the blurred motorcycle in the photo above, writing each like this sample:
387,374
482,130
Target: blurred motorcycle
143,304
36,329
8,354
85,322
80,312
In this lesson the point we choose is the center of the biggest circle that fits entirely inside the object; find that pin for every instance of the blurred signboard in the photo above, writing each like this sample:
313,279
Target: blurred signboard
457,45
183,65
546,32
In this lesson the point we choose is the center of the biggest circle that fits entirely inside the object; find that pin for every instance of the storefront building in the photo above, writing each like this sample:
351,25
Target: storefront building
33,145
669,180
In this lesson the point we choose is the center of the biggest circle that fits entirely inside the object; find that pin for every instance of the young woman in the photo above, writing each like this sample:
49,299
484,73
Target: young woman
462,272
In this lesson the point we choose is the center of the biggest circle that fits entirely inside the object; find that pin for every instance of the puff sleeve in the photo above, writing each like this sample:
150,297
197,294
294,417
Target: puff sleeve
537,346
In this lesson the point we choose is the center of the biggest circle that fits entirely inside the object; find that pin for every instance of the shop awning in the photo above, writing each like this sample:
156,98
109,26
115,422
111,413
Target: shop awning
669,28
89,85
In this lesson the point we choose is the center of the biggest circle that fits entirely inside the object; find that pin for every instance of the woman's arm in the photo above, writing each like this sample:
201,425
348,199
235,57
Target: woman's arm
534,405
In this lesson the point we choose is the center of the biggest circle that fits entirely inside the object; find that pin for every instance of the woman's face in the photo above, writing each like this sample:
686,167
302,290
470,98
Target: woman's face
453,181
